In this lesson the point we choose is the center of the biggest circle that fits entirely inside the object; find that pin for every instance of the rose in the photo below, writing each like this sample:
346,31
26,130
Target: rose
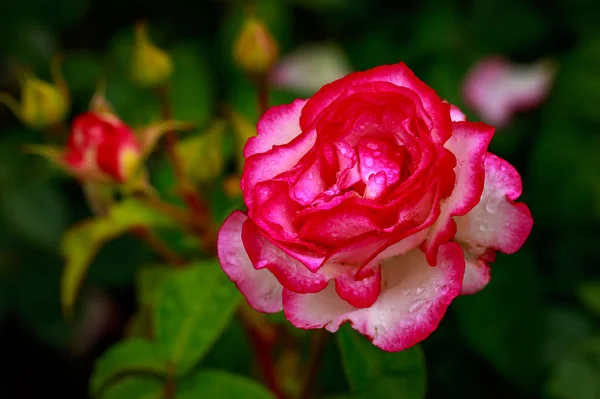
373,202
101,147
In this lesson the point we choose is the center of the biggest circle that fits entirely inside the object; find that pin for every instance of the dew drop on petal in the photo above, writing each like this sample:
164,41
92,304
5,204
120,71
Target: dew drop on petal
310,175
492,205
416,305
443,289
372,146
428,304
406,291
420,290
369,162
262,264
483,227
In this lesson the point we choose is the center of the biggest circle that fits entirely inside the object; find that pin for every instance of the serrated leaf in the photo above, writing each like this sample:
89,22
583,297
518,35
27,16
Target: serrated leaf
378,374
589,293
194,308
136,387
576,375
134,356
81,243
222,385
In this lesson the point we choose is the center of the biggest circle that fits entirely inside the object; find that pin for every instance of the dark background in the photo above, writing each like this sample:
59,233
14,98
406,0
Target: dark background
532,333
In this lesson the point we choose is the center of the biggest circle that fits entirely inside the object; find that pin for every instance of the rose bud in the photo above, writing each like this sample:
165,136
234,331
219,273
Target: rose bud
42,104
101,147
369,204
255,49
496,88
150,66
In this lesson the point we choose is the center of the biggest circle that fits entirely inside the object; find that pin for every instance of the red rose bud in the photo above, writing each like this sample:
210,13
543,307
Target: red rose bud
255,49
101,147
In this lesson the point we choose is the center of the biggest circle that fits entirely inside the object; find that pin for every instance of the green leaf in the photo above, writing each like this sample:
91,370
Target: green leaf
194,308
136,388
134,356
576,376
589,293
222,385
81,243
378,374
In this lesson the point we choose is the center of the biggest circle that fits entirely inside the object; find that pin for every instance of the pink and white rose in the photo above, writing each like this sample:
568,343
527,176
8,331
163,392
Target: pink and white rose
373,202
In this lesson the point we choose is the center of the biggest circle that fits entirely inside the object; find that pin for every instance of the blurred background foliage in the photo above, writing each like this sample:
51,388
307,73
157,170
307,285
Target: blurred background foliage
532,333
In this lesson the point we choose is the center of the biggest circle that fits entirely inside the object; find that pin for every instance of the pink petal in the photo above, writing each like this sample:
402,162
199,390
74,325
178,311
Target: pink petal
469,143
477,274
360,293
413,300
260,287
279,125
456,114
265,166
496,223
290,272
397,74
496,88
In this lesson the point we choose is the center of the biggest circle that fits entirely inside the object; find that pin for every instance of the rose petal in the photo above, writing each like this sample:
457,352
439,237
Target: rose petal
413,300
279,125
399,75
469,143
456,114
265,166
260,287
497,222
290,272
477,274
359,292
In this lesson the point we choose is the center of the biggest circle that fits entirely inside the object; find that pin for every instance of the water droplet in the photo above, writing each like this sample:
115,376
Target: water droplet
444,289
377,153
369,162
262,264
406,291
310,175
372,146
416,305
343,150
492,205
428,304
420,290
483,227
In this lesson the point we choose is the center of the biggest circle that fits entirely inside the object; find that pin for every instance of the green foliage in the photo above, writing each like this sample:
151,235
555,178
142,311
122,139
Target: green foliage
576,375
81,242
375,373
193,309
219,384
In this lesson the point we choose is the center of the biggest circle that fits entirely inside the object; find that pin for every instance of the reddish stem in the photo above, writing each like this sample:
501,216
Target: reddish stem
264,355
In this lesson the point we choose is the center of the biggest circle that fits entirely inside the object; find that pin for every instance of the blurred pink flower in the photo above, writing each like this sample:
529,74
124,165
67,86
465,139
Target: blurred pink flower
496,88
307,68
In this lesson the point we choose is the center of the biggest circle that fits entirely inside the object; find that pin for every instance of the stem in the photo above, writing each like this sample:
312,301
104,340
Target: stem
159,246
197,207
317,349
263,351
170,386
